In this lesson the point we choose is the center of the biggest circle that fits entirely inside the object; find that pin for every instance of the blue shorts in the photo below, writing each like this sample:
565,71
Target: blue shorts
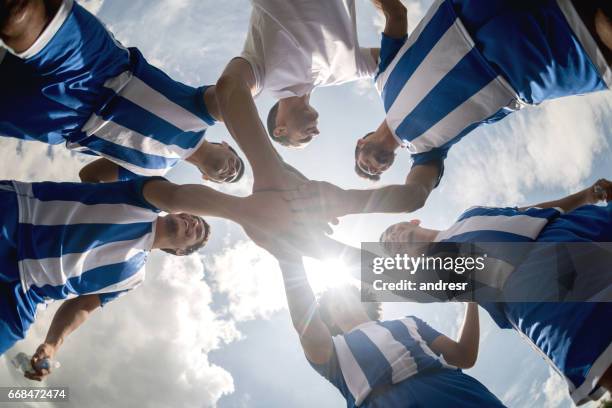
444,388
542,48
78,85
17,309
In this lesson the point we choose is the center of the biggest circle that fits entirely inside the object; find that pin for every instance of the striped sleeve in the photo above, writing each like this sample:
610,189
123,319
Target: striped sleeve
428,333
389,47
105,298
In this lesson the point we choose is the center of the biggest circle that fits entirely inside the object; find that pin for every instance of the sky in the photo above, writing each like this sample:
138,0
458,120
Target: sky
213,329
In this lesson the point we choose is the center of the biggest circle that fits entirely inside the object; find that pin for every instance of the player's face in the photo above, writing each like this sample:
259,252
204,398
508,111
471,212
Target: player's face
302,125
185,231
344,308
223,164
373,159
404,238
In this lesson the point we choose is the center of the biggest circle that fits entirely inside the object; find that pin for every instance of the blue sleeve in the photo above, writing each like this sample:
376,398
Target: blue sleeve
107,297
428,333
389,47
331,371
119,192
434,156
124,174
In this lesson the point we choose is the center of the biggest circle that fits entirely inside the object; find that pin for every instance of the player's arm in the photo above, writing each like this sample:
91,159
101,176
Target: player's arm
314,335
396,17
600,191
324,200
70,315
22,21
463,352
99,171
237,107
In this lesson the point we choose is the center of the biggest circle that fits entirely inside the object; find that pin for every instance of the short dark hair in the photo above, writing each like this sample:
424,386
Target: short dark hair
358,169
240,173
190,250
271,122
372,309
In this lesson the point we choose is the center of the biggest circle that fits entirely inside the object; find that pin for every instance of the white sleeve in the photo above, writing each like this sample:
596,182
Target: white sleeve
366,64
253,51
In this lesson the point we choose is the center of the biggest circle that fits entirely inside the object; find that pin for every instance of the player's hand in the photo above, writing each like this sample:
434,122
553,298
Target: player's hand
285,180
320,200
390,7
600,191
44,351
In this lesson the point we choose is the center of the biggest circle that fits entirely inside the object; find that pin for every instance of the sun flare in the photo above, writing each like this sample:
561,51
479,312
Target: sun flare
324,275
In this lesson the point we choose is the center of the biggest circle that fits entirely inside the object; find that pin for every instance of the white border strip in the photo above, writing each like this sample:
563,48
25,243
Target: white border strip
49,32
586,40
589,389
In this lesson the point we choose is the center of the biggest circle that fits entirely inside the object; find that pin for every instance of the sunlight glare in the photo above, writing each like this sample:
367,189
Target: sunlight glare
324,275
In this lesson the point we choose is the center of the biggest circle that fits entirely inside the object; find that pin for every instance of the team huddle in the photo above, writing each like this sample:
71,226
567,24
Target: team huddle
467,64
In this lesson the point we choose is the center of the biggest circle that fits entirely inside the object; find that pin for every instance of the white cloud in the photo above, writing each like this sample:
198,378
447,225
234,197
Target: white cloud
93,6
552,146
36,161
156,339
250,278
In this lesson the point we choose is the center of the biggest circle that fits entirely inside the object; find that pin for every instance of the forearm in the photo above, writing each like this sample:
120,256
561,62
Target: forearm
568,203
469,335
200,200
396,20
239,112
390,199
300,298
70,315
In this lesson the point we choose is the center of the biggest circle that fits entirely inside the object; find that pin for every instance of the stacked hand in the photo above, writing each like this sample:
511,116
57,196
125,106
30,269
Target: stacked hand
600,191
44,351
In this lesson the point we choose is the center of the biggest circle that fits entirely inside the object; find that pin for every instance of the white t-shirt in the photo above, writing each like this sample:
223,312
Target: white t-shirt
294,46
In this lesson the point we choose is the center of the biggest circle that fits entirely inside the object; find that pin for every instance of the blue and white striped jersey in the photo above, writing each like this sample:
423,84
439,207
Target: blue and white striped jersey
472,62
89,91
76,239
436,86
375,355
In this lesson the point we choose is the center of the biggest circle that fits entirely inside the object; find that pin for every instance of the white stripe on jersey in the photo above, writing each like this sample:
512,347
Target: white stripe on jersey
384,76
427,75
57,271
115,133
136,91
414,332
485,103
398,357
354,377
36,212
522,225
141,171
130,283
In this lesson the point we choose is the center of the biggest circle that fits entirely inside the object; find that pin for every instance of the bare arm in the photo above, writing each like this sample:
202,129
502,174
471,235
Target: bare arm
463,352
324,200
69,317
99,171
237,107
314,335
600,191
396,17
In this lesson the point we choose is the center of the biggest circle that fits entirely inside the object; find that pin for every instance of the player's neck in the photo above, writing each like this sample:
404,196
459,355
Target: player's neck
161,232
384,136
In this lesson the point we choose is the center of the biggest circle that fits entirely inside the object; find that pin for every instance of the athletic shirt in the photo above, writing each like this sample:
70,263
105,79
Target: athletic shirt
377,355
85,89
436,86
295,46
75,239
